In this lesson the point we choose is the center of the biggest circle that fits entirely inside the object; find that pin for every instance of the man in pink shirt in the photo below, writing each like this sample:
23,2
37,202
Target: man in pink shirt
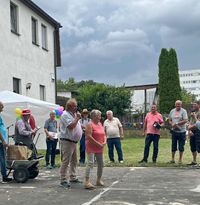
152,125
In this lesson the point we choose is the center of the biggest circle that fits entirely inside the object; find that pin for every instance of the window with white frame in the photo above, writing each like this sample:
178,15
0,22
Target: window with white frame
14,17
44,37
42,92
34,31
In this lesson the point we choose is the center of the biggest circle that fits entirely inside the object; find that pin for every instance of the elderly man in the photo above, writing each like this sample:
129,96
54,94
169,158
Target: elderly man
24,134
178,118
50,129
71,133
3,144
152,125
114,131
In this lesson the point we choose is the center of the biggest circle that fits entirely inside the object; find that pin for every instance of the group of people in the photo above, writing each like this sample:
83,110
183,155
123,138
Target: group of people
73,127
179,126
94,136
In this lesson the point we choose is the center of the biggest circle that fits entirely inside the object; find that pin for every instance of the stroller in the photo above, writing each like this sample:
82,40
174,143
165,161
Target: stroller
23,169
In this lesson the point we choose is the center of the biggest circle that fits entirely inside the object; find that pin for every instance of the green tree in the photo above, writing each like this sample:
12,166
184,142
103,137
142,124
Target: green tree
104,97
187,97
169,84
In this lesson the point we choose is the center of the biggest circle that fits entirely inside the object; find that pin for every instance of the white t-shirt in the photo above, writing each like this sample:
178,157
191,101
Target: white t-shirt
112,127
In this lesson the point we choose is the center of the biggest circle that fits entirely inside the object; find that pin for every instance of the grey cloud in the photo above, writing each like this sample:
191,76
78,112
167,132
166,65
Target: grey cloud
119,41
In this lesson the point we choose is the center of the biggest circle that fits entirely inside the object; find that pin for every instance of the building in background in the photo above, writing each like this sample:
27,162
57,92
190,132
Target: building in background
143,97
30,50
190,80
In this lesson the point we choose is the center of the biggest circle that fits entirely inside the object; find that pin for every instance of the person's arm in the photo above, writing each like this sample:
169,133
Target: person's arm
48,134
88,134
2,140
22,129
184,120
145,126
191,126
71,124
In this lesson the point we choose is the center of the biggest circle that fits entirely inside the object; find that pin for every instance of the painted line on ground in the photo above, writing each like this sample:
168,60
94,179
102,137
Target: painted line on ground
97,197
21,187
197,189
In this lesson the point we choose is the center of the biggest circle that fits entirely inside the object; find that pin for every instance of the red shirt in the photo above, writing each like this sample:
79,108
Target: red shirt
150,119
99,135
32,122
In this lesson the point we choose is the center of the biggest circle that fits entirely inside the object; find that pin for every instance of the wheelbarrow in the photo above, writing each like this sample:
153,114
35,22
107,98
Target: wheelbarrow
23,169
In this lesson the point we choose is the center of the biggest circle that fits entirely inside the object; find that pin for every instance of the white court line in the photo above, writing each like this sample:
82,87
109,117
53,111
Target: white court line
196,189
21,187
97,197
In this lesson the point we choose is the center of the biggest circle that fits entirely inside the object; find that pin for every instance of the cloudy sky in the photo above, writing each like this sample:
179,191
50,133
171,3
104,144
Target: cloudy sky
119,41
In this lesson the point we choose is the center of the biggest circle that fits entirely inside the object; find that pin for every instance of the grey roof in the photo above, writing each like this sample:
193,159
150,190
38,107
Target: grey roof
41,13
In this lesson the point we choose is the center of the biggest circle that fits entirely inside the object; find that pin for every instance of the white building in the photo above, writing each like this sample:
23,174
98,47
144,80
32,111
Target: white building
30,50
190,80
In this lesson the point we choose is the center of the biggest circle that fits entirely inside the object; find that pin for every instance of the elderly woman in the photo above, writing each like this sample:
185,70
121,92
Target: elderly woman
95,141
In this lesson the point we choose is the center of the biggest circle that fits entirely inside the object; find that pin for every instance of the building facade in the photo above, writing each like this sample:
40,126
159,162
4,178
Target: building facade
30,50
190,80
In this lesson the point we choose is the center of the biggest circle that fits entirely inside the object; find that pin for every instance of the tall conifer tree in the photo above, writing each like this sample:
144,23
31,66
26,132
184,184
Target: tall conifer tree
169,83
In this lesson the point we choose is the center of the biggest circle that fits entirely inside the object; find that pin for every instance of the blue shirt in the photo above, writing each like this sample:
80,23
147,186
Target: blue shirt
3,129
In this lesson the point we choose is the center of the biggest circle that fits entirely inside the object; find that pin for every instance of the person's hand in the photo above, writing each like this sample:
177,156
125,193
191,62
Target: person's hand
4,143
78,115
122,137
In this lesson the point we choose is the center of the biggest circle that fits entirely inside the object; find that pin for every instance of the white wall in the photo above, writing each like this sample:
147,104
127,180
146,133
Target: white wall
20,58
190,80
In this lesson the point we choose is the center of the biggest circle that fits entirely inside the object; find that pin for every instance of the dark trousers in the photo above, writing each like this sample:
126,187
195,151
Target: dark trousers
2,160
82,149
111,142
151,138
51,151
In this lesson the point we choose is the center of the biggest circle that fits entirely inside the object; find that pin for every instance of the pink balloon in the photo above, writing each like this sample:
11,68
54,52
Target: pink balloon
61,108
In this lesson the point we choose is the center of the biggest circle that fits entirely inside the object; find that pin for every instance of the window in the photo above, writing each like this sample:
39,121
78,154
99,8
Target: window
34,31
44,36
14,18
42,92
16,85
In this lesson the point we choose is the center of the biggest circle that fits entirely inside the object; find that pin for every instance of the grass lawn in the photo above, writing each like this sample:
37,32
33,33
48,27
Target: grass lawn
133,148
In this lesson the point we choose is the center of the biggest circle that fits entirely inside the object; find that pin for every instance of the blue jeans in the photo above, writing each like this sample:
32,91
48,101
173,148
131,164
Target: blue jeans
82,149
111,142
51,150
149,139
2,160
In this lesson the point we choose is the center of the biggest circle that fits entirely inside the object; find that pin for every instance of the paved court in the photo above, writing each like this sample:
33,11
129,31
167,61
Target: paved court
125,186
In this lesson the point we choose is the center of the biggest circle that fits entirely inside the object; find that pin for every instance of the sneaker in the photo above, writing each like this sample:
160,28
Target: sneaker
111,162
121,161
65,184
49,167
142,161
6,179
192,164
76,180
